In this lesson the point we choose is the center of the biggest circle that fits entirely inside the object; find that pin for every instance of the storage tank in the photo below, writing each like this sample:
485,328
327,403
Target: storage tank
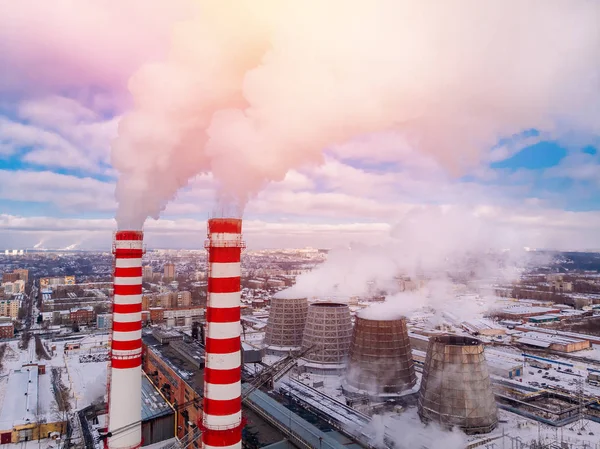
456,388
329,331
380,360
285,326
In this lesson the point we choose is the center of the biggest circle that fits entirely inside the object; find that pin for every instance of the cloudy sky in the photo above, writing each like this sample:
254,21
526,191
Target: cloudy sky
513,142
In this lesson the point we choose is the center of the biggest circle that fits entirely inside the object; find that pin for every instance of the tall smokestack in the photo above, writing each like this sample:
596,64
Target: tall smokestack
222,417
125,383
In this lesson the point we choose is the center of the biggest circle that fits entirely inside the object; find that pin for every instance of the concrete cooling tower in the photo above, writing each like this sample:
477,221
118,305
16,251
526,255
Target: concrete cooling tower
380,361
456,388
285,327
329,331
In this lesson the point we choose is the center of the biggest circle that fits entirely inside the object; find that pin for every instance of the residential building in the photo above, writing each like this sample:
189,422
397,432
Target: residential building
10,277
104,321
169,271
147,273
23,274
9,308
7,330
184,299
83,315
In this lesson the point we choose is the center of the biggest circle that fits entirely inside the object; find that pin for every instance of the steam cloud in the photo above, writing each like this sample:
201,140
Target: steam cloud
253,89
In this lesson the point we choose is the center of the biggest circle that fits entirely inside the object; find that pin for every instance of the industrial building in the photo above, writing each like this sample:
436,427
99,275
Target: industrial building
380,361
553,342
26,412
541,319
285,326
328,332
456,388
177,378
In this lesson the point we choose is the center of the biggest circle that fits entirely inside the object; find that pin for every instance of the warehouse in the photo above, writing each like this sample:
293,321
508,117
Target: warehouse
553,342
541,319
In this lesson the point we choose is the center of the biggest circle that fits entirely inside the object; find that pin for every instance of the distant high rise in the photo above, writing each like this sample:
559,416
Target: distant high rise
169,271
147,273
10,277
23,274
184,299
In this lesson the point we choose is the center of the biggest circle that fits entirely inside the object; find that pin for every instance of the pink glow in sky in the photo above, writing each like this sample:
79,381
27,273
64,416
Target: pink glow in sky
253,89
69,44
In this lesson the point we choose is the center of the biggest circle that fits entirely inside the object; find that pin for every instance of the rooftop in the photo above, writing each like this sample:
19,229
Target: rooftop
184,368
153,404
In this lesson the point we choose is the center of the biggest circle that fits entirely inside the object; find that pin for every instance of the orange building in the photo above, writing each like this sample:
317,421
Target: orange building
164,367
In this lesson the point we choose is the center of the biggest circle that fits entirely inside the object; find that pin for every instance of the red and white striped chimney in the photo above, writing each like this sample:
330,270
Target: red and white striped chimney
222,414
125,390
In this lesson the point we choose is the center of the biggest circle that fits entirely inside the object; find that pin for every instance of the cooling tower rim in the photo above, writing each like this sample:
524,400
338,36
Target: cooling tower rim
360,315
455,340
291,298
329,305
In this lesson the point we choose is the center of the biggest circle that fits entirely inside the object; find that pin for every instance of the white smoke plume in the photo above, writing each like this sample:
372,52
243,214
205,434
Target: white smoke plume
431,242
252,89
413,434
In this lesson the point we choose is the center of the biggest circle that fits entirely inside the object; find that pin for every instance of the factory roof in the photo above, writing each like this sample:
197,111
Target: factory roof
153,404
189,373
547,316
525,310
545,340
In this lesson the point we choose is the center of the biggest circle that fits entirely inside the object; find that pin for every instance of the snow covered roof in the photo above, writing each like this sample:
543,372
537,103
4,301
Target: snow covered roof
534,342
21,398
153,404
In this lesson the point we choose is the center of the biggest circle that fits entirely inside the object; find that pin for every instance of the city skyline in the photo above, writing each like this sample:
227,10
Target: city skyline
60,107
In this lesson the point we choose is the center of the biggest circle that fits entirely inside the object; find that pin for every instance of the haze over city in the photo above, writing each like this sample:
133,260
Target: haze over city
500,119
286,224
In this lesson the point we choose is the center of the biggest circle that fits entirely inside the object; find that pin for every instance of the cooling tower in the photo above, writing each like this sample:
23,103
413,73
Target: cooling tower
380,361
285,327
329,331
456,388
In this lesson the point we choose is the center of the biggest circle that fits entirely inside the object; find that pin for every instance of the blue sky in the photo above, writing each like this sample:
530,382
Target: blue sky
506,131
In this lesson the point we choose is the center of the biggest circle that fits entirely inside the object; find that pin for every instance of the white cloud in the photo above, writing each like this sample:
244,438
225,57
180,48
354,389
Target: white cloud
67,193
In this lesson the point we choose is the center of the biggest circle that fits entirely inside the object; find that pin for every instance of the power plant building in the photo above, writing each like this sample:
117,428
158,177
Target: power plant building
456,388
380,360
285,326
328,332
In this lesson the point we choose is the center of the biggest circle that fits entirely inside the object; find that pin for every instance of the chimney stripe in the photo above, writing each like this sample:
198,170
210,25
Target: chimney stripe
126,327
133,262
224,300
126,345
127,308
223,345
128,272
223,392
225,270
222,376
127,336
127,364
124,253
221,439
225,362
218,422
127,317
224,285
137,280
214,315
128,289
222,408
222,225
224,255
